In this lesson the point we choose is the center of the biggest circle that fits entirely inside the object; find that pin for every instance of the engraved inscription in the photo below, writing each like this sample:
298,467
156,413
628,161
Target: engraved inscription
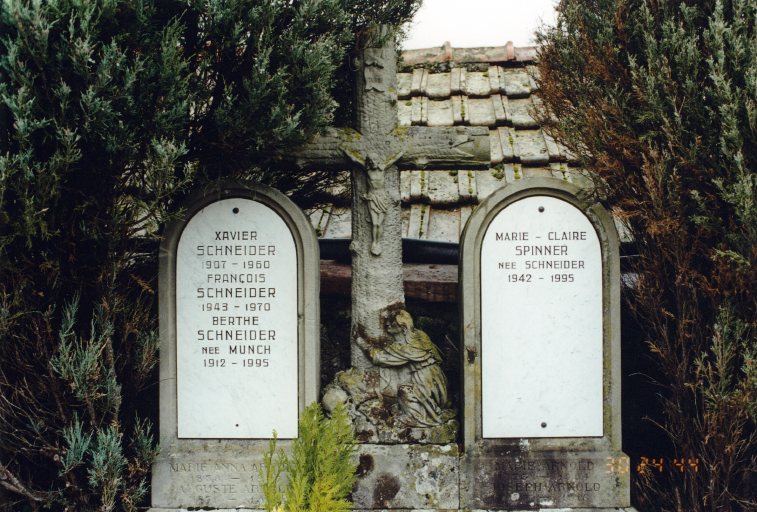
236,309
558,481
541,315
210,483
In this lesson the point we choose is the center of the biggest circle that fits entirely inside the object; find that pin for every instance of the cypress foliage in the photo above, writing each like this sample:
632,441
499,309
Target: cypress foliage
659,100
320,470
109,112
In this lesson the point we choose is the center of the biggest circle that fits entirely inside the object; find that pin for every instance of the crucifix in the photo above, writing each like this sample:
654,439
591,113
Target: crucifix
395,383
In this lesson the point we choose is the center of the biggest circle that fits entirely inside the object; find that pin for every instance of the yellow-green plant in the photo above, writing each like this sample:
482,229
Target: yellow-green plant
320,470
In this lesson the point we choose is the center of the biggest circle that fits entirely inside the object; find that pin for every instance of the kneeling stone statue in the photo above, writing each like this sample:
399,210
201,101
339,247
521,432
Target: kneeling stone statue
415,405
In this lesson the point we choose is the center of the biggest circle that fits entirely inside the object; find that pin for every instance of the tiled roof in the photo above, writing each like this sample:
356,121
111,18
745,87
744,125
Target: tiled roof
444,86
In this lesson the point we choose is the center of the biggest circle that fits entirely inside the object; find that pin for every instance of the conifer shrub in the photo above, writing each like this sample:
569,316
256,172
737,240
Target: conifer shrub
320,471
110,112
658,98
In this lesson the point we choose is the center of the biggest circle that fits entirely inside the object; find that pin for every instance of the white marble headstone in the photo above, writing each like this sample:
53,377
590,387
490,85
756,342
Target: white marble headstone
236,323
541,322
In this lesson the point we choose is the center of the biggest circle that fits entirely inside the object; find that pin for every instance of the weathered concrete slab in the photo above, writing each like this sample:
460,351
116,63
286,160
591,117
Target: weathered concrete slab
404,84
439,86
510,173
440,113
418,185
552,148
498,103
419,109
405,112
417,82
495,144
457,110
457,80
489,181
539,172
515,82
417,227
407,477
532,150
519,113
405,178
477,84
444,225
442,187
507,142
480,112
467,187
493,79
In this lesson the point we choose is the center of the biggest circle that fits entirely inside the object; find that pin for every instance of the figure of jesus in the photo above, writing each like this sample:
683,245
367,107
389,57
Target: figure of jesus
378,200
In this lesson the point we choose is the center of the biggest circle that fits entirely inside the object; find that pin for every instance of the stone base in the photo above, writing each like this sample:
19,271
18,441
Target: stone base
626,509
209,509
223,477
213,475
415,477
545,480
629,509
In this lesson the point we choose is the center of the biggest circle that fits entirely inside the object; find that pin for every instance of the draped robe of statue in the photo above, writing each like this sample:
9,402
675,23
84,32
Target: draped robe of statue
423,402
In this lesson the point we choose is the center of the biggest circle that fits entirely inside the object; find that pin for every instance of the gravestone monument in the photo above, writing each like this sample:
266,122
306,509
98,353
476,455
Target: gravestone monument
539,306
239,292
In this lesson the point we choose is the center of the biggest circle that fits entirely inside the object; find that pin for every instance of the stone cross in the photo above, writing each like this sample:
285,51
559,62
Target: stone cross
375,151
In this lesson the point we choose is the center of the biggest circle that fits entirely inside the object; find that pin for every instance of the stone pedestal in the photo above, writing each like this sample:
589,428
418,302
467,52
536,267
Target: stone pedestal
213,474
404,476
518,479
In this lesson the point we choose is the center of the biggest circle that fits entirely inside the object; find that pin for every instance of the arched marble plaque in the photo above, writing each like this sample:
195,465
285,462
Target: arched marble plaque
236,323
541,322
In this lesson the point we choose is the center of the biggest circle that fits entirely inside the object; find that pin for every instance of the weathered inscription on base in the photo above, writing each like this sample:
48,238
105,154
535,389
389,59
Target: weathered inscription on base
541,322
189,481
211,482
236,304
561,480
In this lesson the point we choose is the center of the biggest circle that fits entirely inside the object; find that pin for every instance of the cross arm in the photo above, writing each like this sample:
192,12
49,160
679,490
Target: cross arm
420,147
454,147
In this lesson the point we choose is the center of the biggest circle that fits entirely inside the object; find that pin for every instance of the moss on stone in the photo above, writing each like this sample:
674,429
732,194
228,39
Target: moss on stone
349,135
423,216
401,132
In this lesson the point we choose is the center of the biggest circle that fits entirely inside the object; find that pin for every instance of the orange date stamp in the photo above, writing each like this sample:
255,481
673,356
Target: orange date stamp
650,465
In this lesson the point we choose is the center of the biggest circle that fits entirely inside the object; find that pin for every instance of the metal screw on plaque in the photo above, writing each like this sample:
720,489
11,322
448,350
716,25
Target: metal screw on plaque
541,209
235,210
543,424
